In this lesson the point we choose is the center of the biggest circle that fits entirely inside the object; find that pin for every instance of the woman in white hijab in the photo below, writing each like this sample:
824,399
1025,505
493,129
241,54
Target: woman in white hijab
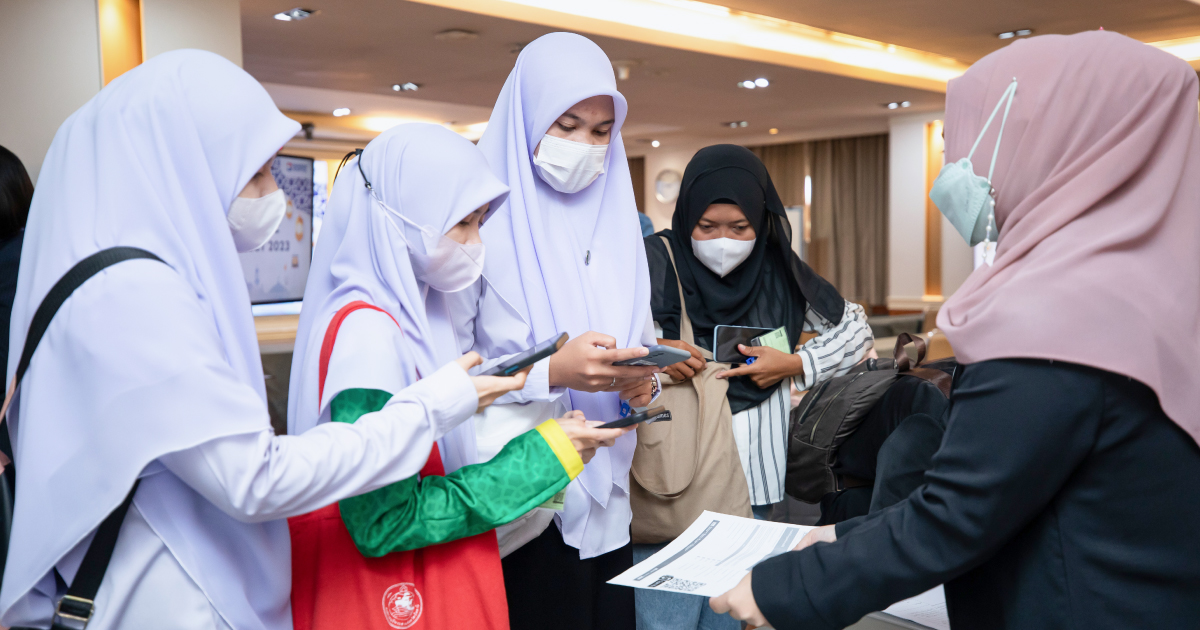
403,227
565,255
151,371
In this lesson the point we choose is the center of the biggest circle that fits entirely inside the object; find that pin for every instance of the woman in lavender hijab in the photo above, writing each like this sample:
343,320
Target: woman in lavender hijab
564,255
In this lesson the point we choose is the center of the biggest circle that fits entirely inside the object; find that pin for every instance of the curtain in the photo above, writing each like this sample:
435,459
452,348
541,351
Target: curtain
848,210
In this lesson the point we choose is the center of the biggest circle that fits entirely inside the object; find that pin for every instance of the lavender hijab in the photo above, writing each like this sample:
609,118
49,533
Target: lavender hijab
1098,205
152,161
566,262
432,176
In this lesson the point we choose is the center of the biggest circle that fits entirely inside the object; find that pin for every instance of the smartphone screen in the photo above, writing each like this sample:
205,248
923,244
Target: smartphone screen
528,358
657,414
728,338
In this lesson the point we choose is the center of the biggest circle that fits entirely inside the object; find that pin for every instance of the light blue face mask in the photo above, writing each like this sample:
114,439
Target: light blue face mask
967,200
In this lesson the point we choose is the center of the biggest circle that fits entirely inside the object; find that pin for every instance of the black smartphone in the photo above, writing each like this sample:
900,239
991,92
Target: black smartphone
660,356
528,358
727,339
655,414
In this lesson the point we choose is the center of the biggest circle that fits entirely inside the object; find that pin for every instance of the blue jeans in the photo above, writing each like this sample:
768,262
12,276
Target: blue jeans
664,610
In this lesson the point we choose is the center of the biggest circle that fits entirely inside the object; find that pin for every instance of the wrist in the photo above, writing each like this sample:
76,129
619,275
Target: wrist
797,365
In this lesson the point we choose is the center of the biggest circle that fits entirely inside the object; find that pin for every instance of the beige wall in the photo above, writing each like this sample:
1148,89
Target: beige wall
51,53
214,25
52,62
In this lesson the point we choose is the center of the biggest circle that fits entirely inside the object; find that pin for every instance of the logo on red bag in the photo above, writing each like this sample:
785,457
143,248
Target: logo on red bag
402,605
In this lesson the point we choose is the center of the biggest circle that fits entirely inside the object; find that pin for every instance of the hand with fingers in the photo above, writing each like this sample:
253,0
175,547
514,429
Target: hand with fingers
739,603
825,533
684,370
640,394
585,364
769,367
489,388
585,437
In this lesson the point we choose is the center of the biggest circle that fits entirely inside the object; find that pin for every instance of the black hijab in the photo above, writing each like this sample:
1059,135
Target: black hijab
771,288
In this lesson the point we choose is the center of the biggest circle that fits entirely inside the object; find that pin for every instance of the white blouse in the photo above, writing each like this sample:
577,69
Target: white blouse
258,477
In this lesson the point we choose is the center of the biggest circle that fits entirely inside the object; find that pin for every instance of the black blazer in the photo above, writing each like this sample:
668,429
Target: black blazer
1062,497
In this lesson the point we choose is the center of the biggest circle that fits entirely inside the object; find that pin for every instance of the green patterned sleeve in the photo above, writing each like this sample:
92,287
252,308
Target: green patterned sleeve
419,512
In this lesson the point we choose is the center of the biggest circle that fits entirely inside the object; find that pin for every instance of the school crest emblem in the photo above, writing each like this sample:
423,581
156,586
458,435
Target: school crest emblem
402,605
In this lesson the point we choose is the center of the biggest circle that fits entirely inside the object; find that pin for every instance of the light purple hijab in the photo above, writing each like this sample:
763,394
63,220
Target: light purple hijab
538,241
1098,204
432,176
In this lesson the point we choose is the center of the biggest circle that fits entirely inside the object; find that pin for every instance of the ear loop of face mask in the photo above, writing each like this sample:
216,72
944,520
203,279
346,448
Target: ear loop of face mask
371,190
989,244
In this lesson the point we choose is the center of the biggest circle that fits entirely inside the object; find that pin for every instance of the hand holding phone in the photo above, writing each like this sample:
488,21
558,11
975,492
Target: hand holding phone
659,355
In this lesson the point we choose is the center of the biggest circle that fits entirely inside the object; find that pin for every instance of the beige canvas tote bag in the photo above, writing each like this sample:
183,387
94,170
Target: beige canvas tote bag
690,464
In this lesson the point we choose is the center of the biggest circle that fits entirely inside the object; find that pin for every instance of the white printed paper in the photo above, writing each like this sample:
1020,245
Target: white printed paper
927,609
712,555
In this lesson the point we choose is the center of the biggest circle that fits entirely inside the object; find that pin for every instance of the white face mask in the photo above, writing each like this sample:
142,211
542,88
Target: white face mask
253,221
569,166
722,255
447,265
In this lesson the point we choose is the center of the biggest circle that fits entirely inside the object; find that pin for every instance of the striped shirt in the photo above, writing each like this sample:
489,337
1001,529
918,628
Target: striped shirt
761,432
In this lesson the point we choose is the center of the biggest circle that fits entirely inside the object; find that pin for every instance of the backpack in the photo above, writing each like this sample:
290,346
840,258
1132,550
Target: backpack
833,410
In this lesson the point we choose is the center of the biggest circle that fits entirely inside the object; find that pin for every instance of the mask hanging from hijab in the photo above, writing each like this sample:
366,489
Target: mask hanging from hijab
446,265
569,166
722,255
968,200
253,221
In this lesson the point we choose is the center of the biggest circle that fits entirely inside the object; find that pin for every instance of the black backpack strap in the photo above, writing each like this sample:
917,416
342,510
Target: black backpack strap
75,609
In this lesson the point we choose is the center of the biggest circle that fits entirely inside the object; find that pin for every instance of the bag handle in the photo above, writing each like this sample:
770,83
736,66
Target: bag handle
904,365
685,323
433,465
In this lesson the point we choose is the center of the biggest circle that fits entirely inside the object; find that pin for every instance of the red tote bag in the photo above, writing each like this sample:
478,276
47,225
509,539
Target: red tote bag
452,586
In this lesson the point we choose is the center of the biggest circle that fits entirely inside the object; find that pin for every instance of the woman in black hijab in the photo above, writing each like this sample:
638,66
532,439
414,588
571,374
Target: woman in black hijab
732,245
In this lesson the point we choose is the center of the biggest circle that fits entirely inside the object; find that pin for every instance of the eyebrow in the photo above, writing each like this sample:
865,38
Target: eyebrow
578,119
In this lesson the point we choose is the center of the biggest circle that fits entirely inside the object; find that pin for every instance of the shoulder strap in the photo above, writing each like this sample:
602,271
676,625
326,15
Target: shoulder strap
75,608
433,466
686,334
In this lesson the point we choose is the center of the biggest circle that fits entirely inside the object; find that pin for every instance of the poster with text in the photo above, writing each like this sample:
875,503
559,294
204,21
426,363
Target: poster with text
276,272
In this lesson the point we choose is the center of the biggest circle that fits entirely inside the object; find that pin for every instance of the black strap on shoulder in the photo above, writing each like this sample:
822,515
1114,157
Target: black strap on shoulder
75,609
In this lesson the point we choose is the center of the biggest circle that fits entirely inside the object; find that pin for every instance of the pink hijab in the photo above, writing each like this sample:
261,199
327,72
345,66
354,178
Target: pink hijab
1098,204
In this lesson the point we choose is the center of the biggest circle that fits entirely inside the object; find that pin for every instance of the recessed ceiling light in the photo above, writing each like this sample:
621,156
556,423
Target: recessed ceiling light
735,124
655,143
772,131
749,85
761,82
905,104
341,111
456,35
892,105
1022,32
294,15
406,87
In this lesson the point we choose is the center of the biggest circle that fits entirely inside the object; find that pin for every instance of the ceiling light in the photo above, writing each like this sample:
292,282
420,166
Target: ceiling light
341,111
655,143
772,131
749,85
456,35
735,124
294,15
406,87
905,104
892,105
1187,48
1023,32
714,29
760,82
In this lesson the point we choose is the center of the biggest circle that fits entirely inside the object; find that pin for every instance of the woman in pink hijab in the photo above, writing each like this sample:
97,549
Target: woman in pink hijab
1065,492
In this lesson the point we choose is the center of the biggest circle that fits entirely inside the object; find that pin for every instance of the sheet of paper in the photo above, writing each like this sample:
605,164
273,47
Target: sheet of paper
712,555
775,339
927,609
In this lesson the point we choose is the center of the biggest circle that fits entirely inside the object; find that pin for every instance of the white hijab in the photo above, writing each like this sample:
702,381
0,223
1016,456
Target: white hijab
568,262
434,178
152,161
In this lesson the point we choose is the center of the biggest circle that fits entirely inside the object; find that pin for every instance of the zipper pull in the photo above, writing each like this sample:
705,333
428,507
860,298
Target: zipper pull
587,259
